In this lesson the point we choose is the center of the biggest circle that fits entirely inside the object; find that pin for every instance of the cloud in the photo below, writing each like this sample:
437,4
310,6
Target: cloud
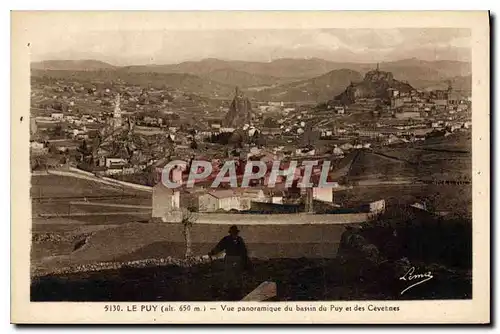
168,46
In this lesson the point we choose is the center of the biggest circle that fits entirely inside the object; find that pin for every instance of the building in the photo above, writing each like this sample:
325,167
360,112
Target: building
33,126
117,113
57,116
324,194
441,102
38,148
339,110
218,200
377,206
249,195
166,203
396,102
274,196
271,131
368,133
114,163
408,115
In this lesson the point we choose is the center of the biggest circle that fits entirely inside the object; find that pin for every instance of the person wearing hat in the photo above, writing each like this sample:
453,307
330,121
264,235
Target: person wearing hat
235,261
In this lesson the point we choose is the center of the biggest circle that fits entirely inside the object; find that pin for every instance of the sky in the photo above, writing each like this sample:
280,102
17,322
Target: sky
134,46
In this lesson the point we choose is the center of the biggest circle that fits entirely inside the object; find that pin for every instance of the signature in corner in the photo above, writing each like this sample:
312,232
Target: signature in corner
410,276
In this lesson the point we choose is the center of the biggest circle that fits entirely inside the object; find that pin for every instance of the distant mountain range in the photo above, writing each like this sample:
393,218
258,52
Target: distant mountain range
285,79
72,65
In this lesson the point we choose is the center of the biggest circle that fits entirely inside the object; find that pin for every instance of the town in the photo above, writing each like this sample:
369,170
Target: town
145,169
130,133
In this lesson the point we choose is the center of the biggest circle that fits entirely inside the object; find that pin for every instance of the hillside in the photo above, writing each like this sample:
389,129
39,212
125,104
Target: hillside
280,68
316,89
299,69
72,65
244,79
182,81
461,83
281,79
375,84
415,69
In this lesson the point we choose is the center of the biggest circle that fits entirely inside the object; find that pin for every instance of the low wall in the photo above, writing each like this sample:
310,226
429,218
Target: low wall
75,172
280,219
81,171
129,185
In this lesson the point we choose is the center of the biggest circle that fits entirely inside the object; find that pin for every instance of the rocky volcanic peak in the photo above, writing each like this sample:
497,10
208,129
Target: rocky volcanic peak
374,76
240,111
374,85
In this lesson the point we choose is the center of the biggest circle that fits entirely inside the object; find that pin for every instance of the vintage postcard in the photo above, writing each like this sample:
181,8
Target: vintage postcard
250,167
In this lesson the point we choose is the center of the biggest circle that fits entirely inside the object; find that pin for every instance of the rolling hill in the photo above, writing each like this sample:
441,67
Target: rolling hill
72,65
316,89
461,83
242,79
182,81
414,69
281,79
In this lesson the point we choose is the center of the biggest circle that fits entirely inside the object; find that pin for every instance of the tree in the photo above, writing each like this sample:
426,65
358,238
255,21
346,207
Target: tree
194,144
188,219
58,131
236,139
270,123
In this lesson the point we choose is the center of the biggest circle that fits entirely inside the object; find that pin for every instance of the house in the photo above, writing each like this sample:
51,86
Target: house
271,131
114,163
274,196
166,203
36,145
218,200
339,110
324,194
33,126
377,206
114,170
249,195
441,102
462,107
337,151
38,148
408,115
57,116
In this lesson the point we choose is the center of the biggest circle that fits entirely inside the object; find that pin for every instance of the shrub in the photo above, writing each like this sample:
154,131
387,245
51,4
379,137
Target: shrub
422,236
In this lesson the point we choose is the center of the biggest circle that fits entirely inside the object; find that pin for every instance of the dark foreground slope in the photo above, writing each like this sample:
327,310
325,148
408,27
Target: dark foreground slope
297,279
372,259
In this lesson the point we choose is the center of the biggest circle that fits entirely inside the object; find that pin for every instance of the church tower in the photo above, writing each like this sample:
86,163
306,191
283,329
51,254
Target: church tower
117,113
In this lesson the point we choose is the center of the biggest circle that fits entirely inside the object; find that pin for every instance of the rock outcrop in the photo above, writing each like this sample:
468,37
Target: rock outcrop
240,111
376,84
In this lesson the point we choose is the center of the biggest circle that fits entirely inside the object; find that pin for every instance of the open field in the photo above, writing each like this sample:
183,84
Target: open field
445,197
65,186
133,241
55,195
